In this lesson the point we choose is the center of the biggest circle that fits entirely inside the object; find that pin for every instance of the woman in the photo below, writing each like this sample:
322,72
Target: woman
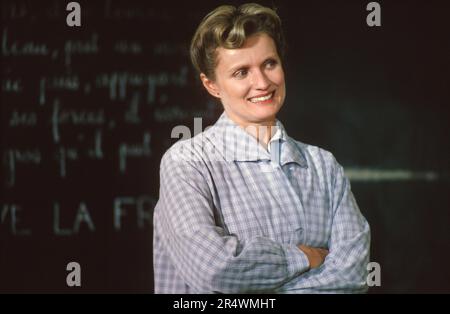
243,207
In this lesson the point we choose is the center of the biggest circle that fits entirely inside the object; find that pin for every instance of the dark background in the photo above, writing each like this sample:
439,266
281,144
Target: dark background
87,112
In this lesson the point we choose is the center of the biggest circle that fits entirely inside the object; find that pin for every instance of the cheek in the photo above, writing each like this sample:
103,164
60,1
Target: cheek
279,81
278,78
237,89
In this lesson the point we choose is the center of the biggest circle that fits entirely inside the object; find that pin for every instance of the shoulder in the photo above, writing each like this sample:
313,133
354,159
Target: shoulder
323,168
187,152
183,166
321,165
315,155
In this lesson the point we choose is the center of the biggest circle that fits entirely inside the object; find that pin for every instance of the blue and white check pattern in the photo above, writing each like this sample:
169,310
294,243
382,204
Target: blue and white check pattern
230,217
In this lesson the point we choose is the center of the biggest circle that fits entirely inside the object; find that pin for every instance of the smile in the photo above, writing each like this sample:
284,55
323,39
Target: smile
261,98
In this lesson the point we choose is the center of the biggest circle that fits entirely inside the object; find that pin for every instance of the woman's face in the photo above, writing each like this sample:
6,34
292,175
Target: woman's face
249,81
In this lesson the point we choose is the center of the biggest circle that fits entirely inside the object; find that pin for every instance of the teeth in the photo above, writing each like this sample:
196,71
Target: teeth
258,99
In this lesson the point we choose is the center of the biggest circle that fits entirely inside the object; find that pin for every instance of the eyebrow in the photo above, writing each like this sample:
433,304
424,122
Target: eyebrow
246,66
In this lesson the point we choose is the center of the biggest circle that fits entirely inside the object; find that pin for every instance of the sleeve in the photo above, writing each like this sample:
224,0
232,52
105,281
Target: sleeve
204,255
345,267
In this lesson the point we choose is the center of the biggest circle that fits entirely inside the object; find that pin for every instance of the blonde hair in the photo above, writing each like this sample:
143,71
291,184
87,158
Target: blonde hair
228,27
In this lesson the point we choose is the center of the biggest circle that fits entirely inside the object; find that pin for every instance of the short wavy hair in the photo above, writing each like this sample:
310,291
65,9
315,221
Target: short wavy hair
228,27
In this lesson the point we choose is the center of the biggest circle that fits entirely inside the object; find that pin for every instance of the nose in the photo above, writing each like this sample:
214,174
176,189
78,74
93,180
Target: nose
260,80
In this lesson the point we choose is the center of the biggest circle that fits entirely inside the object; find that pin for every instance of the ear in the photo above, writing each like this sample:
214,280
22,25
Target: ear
210,85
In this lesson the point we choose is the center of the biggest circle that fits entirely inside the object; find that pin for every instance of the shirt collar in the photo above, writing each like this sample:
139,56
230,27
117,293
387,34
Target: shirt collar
236,144
276,136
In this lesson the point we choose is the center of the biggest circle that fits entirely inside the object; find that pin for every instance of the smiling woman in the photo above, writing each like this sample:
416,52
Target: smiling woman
249,81
239,58
257,211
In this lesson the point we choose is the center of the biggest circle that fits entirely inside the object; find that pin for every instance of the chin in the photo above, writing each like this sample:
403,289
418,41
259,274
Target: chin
264,114
260,117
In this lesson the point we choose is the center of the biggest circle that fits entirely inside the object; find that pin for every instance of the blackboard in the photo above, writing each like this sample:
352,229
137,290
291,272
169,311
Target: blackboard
87,112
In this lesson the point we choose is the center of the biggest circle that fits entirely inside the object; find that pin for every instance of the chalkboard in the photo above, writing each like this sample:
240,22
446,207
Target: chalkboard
87,112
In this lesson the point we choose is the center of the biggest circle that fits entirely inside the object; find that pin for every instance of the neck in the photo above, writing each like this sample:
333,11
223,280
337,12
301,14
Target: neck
262,131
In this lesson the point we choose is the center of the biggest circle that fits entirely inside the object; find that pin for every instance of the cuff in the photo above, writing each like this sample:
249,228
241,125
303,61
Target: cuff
297,261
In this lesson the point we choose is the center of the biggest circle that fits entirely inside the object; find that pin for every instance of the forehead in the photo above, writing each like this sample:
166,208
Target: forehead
256,48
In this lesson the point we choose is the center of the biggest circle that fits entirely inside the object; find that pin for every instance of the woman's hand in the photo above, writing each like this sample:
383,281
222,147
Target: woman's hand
316,256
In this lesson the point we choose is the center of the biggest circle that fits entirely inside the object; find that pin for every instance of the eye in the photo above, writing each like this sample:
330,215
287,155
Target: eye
270,63
241,73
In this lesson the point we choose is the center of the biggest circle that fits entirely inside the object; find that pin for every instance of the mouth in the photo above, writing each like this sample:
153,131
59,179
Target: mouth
262,99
